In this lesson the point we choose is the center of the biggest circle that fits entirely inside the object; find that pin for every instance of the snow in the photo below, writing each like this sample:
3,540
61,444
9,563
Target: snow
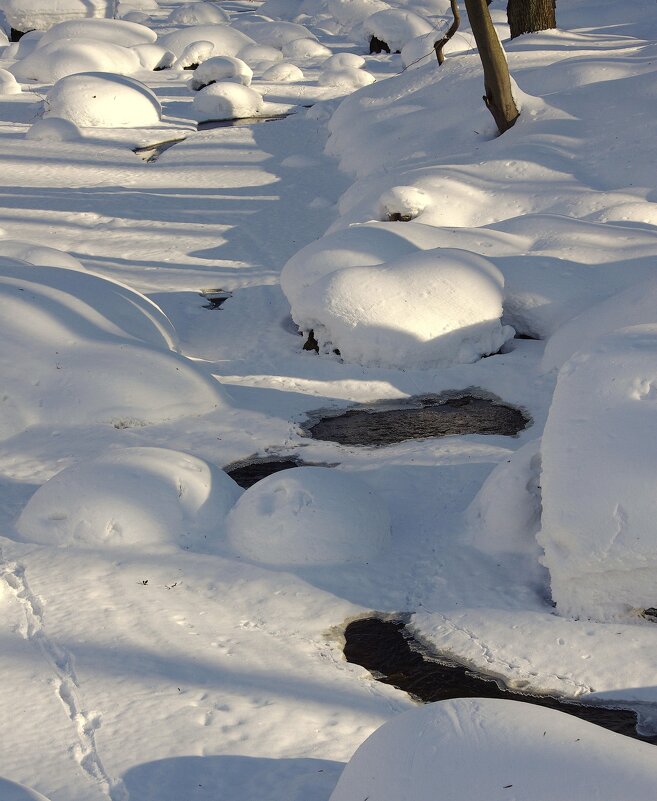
226,100
309,516
28,15
103,100
221,68
11,791
395,27
484,748
168,498
8,84
199,13
120,32
601,557
347,78
145,669
63,57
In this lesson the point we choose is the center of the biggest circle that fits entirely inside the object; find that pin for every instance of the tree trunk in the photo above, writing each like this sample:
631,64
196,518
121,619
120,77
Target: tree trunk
529,16
497,83
439,46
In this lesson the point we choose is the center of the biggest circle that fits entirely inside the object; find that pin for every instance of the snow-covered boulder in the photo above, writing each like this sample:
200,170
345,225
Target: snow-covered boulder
226,40
350,14
154,57
45,256
340,60
274,34
221,68
103,100
116,31
599,467
8,84
80,349
28,15
256,53
132,498
475,749
194,54
198,13
68,56
347,78
283,73
226,100
403,203
395,27
305,50
434,308
309,516
53,129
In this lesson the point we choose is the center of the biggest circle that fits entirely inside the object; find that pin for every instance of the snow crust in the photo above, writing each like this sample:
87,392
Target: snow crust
309,516
132,498
103,100
471,748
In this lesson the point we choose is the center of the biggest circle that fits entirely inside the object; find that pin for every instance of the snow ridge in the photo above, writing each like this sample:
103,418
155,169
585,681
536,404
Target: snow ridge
65,682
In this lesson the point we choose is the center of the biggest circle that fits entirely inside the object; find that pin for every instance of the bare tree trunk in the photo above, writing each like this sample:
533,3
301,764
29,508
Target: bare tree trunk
529,16
497,83
438,46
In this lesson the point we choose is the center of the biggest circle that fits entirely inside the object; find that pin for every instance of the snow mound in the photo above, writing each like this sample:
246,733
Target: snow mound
65,57
403,203
306,50
255,53
103,100
154,57
395,27
98,352
8,84
347,78
119,32
469,749
283,73
11,791
634,306
54,129
351,13
132,498
438,307
309,516
28,15
221,68
274,34
227,101
194,54
340,60
602,553
226,40
199,13
44,256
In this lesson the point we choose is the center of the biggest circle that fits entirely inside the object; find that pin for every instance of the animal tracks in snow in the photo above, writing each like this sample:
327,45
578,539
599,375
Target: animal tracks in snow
64,682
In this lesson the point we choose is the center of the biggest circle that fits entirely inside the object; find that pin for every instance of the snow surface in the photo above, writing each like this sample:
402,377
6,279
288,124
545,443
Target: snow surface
221,68
152,671
28,15
226,100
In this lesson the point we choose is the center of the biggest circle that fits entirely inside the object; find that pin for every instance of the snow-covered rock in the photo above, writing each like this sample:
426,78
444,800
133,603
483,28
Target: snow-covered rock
45,256
154,57
226,100
103,100
64,57
198,13
28,15
403,203
221,68
472,749
395,27
8,84
11,791
274,34
194,54
119,32
340,60
351,13
434,308
348,78
598,467
98,352
309,516
132,498
305,49
226,40
255,53
283,73
53,129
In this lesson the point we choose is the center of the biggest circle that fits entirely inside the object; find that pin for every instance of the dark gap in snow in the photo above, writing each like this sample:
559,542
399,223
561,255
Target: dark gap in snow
311,343
246,474
650,613
151,153
378,46
215,297
16,36
450,413
527,336
397,216
208,125
394,656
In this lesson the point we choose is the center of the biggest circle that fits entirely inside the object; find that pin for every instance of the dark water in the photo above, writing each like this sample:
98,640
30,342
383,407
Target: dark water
246,475
418,418
215,297
386,649
234,123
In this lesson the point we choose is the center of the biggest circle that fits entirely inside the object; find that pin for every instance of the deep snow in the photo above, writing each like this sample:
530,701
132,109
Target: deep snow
176,662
